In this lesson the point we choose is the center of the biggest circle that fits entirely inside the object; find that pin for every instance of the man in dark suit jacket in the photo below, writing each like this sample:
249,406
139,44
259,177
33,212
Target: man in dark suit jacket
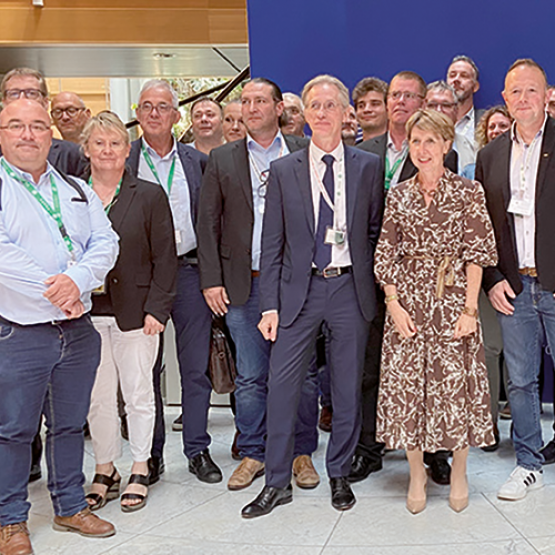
517,170
229,231
321,225
177,168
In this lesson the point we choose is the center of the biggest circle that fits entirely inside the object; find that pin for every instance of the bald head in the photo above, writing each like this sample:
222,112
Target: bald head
70,115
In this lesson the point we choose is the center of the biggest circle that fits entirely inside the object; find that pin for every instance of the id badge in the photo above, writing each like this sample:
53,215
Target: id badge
521,207
99,290
178,236
334,236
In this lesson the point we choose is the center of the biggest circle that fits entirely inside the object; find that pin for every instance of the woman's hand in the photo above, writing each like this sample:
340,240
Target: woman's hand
403,322
152,326
466,325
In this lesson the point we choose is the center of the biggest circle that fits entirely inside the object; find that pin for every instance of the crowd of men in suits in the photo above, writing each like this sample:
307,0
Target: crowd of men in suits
276,233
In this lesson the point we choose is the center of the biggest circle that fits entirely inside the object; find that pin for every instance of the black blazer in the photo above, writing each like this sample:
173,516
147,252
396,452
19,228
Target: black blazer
143,281
493,171
226,219
193,163
378,145
288,232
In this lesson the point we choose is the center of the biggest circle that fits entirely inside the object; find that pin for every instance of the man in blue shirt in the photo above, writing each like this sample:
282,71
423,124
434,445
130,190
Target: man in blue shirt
56,246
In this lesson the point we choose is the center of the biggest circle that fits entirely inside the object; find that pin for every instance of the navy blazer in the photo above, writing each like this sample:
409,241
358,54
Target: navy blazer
288,231
193,163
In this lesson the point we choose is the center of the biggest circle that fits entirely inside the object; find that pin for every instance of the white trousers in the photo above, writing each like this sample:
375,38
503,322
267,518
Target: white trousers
128,358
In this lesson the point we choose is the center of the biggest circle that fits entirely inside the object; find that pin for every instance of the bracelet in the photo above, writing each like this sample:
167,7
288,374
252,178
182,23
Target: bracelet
472,312
390,298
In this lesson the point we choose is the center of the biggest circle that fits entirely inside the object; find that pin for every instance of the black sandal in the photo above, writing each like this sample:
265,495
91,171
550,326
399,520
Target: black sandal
135,479
112,491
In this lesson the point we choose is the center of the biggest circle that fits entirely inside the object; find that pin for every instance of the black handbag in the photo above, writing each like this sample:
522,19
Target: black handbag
222,365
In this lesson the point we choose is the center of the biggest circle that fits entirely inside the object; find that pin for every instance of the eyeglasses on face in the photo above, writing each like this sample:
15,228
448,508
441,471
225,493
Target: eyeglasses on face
162,108
408,95
30,94
72,111
18,127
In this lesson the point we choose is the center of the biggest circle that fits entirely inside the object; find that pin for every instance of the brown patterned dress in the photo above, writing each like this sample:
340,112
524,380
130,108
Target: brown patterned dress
434,391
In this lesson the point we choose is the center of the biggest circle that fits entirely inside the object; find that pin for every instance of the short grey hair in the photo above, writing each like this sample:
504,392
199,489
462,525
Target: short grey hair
442,86
470,62
161,84
293,98
327,80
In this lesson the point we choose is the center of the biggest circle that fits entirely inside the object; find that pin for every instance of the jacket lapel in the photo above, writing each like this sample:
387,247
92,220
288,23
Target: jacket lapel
133,159
242,169
548,147
190,170
124,199
352,179
302,173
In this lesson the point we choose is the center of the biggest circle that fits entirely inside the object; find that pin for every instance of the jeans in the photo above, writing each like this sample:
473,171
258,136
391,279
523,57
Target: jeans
523,333
46,368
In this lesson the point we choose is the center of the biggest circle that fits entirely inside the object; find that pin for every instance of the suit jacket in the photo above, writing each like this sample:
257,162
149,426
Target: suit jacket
226,219
193,163
289,230
493,170
143,281
378,145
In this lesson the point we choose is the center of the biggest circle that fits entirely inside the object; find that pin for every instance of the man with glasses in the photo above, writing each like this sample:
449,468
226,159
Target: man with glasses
406,94
56,246
70,115
229,231
28,83
177,168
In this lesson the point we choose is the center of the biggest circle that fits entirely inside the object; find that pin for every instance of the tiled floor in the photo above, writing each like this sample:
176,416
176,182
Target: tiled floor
184,516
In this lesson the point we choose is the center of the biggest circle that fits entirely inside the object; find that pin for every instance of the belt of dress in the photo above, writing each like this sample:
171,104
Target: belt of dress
445,272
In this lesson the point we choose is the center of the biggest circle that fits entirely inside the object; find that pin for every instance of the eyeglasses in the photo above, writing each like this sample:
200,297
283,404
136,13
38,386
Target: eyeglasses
441,105
263,188
71,112
329,106
408,95
162,108
30,94
17,127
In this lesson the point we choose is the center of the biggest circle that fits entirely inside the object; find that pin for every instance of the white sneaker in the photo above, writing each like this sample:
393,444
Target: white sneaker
519,483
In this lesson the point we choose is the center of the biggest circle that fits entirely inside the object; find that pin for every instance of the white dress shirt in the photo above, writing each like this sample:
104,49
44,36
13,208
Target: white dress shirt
393,156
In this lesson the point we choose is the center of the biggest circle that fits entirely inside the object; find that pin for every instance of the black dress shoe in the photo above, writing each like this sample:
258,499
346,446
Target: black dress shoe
267,500
548,452
342,496
156,468
35,474
440,471
204,468
362,467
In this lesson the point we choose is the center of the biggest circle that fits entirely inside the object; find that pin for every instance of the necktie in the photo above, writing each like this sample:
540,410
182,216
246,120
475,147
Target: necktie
322,252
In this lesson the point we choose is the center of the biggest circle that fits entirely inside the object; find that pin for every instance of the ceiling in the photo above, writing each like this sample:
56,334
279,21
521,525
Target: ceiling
127,61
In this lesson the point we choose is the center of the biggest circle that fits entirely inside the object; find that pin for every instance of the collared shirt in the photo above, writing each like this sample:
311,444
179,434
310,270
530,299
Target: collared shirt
525,161
465,143
259,163
179,194
393,156
32,248
340,254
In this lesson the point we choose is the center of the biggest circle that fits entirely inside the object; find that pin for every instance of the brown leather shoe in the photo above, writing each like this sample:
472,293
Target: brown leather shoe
304,472
244,475
14,540
324,423
84,523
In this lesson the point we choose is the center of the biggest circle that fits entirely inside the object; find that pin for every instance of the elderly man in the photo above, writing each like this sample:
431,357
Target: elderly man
69,115
518,176
293,113
231,210
369,98
177,168
56,246
322,222
28,83
206,120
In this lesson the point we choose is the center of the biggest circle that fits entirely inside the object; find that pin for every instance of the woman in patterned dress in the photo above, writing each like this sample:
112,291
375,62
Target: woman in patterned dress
435,240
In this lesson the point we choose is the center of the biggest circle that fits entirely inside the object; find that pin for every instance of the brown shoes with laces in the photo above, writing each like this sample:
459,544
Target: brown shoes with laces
14,540
304,472
244,475
84,523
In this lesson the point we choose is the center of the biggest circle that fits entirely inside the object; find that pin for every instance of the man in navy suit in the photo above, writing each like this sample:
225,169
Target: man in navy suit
322,220
178,169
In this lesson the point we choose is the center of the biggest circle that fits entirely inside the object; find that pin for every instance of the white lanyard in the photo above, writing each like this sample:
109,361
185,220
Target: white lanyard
322,187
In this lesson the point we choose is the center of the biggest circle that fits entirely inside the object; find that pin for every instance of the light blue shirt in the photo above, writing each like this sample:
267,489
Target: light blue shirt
32,248
259,162
180,198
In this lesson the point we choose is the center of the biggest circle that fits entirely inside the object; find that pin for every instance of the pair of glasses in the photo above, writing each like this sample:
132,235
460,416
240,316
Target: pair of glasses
161,108
71,112
17,127
408,95
441,105
263,187
30,94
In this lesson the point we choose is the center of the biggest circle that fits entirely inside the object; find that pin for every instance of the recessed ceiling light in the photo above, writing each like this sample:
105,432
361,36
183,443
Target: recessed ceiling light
163,55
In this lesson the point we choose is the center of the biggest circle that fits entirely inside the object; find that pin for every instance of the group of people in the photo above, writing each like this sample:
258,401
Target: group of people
345,269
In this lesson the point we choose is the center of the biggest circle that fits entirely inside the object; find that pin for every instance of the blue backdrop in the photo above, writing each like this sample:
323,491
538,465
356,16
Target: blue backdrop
294,40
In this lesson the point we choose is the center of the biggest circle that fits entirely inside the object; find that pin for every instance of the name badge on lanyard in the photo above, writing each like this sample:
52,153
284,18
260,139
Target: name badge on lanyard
521,206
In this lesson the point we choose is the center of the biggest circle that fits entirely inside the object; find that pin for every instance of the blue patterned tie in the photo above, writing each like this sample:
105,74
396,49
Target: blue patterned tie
322,252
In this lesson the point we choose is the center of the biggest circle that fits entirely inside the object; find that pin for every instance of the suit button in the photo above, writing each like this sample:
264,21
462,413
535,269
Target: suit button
114,280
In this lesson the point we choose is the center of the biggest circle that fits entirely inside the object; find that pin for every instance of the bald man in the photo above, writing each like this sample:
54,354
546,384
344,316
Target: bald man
69,115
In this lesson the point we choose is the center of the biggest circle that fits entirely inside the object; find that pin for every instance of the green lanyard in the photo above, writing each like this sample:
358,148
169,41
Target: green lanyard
114,198
54,212
155,173
390,172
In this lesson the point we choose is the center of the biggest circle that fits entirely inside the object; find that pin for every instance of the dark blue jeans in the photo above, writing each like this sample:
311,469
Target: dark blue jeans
46,368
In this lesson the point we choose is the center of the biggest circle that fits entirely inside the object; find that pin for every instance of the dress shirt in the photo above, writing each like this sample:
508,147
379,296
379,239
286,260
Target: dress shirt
32,248
179,196
525,160
259,164
340,254
392,155
465,140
